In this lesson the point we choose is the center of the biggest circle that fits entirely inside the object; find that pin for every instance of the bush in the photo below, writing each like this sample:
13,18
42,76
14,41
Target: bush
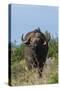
17,53
53,48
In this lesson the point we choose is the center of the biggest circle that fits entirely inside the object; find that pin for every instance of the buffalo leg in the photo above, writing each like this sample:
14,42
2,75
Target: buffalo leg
40,69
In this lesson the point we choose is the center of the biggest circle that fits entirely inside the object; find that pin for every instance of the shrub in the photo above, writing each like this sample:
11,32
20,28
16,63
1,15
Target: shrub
17,53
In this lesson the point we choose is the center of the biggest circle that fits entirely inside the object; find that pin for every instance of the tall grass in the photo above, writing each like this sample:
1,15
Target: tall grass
20,75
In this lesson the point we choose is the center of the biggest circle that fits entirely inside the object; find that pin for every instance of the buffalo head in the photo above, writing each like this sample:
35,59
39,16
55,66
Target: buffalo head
34,38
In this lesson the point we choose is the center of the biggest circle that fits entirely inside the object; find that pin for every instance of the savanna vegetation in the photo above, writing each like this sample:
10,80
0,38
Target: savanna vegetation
20,75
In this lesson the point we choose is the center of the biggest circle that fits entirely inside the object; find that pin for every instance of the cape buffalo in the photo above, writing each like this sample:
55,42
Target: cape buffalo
37,44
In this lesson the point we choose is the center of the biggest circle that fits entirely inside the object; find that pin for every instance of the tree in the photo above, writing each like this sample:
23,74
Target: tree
48,36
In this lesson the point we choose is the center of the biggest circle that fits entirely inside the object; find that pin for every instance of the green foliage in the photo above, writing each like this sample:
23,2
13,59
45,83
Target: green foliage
53,48
52,44
53,79
17,53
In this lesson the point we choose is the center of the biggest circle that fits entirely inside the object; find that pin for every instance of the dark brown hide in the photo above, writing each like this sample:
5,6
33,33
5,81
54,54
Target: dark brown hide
30,56
36,49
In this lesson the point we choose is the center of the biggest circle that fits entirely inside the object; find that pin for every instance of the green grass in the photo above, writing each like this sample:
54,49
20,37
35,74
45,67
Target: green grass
53,78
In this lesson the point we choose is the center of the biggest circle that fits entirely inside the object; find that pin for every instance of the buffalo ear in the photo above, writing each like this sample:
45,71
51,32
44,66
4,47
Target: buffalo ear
27,42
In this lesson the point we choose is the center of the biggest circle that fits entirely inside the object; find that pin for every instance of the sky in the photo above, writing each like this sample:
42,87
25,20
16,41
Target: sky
25,18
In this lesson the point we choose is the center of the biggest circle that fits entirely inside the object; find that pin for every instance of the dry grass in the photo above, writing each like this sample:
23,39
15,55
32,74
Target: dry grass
20,75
